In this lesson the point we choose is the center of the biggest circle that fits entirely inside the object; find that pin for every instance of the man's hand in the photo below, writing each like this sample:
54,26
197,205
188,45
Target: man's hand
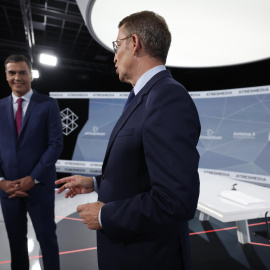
19,188
77,184
89,213
6,185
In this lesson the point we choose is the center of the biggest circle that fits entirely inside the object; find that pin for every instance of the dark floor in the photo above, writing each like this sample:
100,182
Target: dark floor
220,249
214,244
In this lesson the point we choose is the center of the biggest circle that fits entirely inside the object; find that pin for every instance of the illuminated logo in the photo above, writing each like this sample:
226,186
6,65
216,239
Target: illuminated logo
210,135
68,118
94,132
95,129
244,135
209,132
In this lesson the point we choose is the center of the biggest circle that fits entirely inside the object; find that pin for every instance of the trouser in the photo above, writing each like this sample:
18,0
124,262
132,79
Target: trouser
41,210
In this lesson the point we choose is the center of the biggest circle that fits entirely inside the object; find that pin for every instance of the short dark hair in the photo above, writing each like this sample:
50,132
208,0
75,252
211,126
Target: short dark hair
153,31
15,58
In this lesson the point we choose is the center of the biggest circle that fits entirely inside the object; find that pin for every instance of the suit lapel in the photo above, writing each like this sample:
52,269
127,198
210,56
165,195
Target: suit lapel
29,110
121,121
10,116
129,110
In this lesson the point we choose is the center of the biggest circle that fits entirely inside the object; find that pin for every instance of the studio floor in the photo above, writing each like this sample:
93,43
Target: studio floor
214,244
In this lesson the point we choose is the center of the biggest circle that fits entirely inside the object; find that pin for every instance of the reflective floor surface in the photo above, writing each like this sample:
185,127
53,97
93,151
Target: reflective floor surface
214,244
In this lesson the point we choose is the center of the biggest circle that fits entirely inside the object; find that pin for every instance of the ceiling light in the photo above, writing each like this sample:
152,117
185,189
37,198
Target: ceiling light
47,59
35,74
204,33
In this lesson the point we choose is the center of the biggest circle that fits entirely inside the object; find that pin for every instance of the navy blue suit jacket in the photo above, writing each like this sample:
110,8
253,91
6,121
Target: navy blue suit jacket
149,181
35,151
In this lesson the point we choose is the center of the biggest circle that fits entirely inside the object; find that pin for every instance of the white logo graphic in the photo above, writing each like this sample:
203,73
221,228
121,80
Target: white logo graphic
244,135
210,135
209,132
68,121
94,132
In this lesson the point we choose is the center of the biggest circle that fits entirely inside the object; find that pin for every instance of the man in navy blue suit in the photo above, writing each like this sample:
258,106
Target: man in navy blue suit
149,186
30,144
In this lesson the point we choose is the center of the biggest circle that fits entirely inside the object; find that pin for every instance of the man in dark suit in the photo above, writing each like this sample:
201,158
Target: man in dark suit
30,144
149,186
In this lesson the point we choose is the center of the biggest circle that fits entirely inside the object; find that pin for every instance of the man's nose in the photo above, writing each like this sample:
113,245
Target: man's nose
17,76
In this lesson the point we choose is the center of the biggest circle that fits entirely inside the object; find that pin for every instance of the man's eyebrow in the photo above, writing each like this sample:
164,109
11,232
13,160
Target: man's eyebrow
13,71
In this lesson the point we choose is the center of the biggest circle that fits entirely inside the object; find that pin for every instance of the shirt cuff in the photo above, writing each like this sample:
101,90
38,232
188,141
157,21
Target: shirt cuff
99,217
96,190
95,184
35,180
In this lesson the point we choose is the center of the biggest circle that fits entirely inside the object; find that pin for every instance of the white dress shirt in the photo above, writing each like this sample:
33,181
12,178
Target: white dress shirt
25,103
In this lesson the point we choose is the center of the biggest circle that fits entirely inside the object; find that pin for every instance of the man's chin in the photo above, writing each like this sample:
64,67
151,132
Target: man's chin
121,78
19,91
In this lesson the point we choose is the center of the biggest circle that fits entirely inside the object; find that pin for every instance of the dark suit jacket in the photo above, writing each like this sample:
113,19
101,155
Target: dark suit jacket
38,146
149,181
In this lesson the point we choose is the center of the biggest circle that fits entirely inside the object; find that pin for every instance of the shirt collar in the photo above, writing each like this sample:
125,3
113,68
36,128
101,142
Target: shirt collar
146,77
26,97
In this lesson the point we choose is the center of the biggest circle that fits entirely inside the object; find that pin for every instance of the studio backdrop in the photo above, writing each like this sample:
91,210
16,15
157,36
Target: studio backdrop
234,141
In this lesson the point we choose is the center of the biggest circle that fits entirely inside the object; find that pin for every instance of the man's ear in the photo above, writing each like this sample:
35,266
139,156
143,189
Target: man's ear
136,45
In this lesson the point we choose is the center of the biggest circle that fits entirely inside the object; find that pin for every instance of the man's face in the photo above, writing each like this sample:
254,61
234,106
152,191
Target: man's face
19,78
123,58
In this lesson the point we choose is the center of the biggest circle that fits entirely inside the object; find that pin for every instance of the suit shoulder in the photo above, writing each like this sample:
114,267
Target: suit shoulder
4,101
165,78
168,86
42,97
168,83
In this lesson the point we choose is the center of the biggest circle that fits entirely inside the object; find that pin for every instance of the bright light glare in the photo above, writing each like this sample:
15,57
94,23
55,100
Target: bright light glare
35,74
36,266
47,59
30,245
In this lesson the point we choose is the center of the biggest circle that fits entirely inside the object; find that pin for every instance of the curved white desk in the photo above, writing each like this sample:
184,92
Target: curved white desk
212,204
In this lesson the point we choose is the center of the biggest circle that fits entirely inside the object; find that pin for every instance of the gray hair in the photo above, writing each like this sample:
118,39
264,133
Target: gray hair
153,31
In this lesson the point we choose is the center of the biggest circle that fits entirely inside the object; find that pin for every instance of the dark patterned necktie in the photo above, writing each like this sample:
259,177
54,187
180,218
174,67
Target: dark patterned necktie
130,97
18,115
